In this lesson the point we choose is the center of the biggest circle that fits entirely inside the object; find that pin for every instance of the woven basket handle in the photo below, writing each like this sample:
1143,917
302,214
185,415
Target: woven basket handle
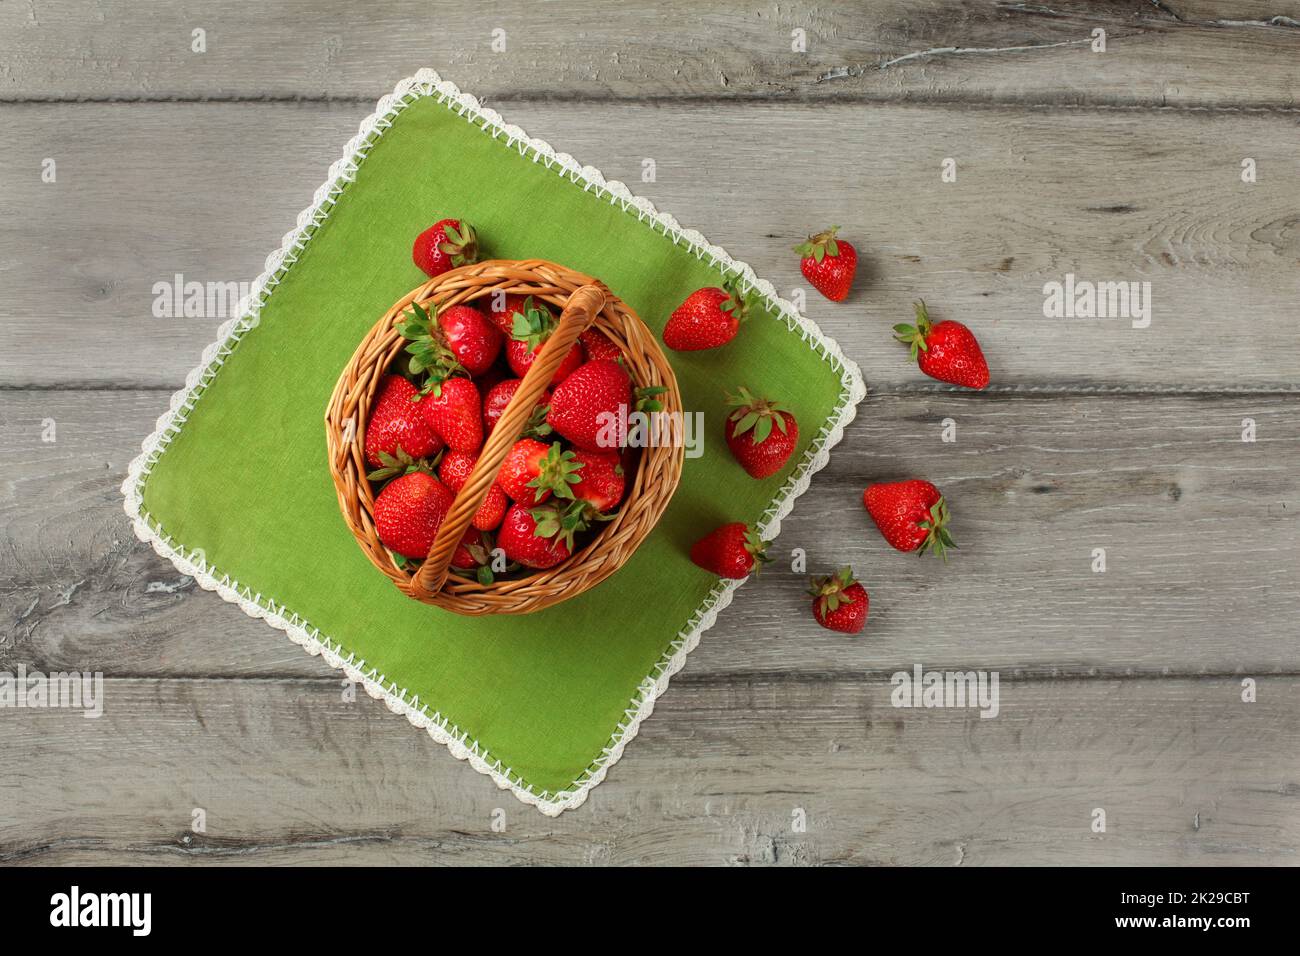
581,309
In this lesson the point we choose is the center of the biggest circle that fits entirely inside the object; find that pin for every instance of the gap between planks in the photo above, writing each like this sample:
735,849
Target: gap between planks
850,98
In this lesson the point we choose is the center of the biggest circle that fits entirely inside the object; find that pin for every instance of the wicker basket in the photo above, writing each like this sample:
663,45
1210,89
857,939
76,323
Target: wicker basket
584,302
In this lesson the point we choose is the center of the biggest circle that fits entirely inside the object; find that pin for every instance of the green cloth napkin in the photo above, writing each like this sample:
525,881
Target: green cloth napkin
234,486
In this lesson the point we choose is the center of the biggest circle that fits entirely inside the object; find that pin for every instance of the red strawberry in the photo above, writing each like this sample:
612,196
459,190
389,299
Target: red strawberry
469,550
454,472
408,512
708,318
523,540
474,553
444,245
531,471
521,356
601,480
581,404
761,434
397,420
453,410
599,345
528,337
839,602
472,338
496,400
912,516
946,350
502,309
828,263
731,551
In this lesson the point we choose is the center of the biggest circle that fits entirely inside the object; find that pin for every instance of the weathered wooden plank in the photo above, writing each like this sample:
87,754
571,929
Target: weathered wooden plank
1188,53
288,772
1198,529
147,191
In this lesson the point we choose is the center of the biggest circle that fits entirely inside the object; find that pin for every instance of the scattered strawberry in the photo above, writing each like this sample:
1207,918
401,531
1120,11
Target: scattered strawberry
731,551
600,479
946,350
444,245
708,318
408,512
502,309
532,471
839,602
472,338
453,410
528,336
397,422
760,433
523,540
598,345
454,472
912,516
828,263
581,403
496,400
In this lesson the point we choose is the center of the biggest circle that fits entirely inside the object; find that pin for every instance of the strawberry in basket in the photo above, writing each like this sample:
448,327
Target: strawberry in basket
529,331
397,423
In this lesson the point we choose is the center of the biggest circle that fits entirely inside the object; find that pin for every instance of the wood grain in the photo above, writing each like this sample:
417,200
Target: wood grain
1185,53
1120,197
289,772
1198,528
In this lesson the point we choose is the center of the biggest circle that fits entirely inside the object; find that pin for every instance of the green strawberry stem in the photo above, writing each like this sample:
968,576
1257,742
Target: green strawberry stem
429,354
532,326
401,464
830,590
462,244
647,400
561,524
757,549
915,336
937,539
758,414
821,245
556,472
736,302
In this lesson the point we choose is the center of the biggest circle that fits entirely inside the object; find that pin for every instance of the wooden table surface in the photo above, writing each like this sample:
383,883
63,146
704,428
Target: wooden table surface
1120,691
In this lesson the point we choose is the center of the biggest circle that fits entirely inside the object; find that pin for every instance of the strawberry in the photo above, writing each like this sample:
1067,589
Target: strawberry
839,602
453,410
408,511
444,245
946,350
598,345
731,551
708,318
828,263
454,472
502,309
498,397
522,537
912,516
528,335
760,433
397,421
474,553
532,471
471,337
600,479
582,403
